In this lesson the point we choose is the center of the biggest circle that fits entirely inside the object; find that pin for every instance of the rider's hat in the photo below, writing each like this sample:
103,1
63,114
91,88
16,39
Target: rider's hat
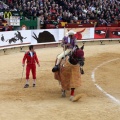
71,32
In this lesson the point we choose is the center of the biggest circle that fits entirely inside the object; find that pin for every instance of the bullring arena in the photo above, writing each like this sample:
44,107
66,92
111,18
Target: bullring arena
100,88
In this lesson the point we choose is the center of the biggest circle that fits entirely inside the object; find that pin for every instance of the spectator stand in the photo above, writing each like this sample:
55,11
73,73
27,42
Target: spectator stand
74,11
60,13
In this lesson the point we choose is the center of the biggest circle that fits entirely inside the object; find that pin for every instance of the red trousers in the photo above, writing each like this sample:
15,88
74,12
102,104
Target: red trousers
31,67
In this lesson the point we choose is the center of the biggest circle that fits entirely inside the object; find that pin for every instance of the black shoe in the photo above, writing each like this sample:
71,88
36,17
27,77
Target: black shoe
33,85
26,86
55,68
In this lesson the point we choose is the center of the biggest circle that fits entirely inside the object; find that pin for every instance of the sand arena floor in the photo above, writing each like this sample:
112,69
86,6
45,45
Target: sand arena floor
44,101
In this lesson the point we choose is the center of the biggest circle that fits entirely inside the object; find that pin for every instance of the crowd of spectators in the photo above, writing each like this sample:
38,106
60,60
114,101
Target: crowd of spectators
104,11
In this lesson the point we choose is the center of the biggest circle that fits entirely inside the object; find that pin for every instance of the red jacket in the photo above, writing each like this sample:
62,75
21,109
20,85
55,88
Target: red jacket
30,60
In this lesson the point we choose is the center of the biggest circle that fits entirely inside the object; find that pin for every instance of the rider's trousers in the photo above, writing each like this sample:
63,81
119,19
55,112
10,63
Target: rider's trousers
64,53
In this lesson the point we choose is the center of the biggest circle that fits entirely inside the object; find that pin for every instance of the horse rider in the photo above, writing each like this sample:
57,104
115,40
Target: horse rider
31,58
68,44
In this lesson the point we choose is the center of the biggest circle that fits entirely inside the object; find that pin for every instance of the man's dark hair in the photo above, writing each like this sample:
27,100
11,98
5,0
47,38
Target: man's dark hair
30,47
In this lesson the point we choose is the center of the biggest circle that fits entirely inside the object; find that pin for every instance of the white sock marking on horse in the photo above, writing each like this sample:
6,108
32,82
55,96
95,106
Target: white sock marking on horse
93,79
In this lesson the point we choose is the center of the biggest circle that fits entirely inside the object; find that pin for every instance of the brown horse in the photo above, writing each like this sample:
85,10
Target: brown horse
69,72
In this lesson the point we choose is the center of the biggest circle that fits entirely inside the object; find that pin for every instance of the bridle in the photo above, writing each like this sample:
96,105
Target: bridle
72,59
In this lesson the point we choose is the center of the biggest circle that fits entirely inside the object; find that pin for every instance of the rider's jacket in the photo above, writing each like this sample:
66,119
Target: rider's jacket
69,40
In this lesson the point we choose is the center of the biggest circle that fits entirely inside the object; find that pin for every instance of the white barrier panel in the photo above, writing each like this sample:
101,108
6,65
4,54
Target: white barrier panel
22,37
15,37
40,36
61,33
44,35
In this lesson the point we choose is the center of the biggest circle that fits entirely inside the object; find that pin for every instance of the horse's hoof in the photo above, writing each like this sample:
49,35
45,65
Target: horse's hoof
81,71
55,68
63,94
71,98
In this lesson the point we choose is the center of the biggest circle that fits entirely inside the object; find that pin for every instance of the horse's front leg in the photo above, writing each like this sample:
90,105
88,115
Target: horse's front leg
72,94
81,66
81,70
63,93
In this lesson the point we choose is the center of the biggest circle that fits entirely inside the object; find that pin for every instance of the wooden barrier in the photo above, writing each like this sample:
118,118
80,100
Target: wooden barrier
99,41
22,48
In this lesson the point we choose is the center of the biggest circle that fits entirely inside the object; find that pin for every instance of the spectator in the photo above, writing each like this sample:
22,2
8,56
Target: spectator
69,10
1,23
6,28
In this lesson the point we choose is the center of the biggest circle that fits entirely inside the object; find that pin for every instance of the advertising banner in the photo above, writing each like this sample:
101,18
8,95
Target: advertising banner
82,33
113,32
106,32
54,35
15,37
44,35
15,20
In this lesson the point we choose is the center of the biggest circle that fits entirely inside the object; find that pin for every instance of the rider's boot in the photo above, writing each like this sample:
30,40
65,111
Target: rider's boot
55,68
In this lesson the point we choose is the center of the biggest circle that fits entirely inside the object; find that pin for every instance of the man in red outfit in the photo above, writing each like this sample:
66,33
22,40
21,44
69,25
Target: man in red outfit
31,58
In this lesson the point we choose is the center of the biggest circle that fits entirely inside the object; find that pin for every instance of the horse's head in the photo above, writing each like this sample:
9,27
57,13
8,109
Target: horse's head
77,56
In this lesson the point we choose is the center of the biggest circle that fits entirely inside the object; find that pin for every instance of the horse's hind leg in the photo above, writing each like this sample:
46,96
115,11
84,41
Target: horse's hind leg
72,94
63,93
